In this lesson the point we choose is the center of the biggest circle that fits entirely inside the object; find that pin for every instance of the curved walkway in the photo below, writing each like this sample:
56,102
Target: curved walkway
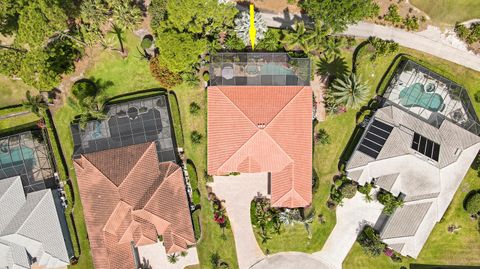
435,45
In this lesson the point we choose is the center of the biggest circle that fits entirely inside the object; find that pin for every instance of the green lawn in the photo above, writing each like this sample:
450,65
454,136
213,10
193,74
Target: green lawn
13,91
17,121
211,240
448,12
441,247
127,75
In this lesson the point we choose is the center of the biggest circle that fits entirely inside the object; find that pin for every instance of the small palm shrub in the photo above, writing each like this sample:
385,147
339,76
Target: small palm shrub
206,76
350,91
194,108
389,201
146,43
370,242
172,258
322,137
196,137
472,203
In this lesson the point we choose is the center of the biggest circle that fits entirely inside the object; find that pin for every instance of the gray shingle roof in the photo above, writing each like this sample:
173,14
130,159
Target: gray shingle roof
405,220
386,182
34,227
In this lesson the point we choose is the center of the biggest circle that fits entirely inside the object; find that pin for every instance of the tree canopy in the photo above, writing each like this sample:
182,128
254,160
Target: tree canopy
204,18
179,52
336,15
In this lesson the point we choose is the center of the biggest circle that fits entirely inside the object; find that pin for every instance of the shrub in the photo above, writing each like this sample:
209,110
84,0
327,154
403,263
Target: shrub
462,31
389,201
411,23
348,190
232,42
196,137
146,43
382,47
370,242
206,76
365,189
196,196
322,137
472,203
271,41
194,108
165,77
392,15
84,88
477,97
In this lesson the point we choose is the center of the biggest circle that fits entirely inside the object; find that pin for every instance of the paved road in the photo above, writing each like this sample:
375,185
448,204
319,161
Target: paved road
417,41
291,260
238,192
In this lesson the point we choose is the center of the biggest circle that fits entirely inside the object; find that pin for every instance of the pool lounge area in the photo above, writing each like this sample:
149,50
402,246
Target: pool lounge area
27,155
431,96
257,68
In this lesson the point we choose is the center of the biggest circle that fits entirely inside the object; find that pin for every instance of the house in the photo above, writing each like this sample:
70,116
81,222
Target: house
264,125
33,229
130,199
417,151
264,129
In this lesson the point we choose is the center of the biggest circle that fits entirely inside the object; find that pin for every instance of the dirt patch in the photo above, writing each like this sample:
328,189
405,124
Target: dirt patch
404,9
274,6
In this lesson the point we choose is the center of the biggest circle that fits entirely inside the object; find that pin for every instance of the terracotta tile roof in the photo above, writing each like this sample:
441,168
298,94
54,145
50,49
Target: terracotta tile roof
263,129
128,196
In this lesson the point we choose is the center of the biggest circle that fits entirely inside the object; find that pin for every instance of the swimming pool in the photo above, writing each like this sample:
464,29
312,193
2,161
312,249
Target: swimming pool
275,69
415,95
16,155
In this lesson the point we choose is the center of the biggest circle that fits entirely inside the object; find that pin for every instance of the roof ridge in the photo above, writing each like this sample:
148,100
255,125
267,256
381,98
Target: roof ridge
287,104
136,163
254,125
83,168
31,212
244,145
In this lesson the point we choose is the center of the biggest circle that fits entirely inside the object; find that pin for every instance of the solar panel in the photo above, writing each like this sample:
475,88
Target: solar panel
377,135
425,146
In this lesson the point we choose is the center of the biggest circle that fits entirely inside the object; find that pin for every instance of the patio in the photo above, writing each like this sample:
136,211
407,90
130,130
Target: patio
27,155
155,256
431,96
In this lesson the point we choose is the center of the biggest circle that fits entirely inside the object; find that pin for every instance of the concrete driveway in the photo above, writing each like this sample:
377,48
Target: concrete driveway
291,260
155,256
238,192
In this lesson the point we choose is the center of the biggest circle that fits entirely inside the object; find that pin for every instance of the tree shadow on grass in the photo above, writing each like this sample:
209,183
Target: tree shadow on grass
332,68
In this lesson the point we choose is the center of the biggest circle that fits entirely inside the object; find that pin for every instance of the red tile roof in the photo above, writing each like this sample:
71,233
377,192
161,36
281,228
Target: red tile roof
127,195
263,129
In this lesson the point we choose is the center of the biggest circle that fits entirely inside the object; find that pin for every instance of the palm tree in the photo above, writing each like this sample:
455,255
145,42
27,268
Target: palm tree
34,103
332,46
172,258
217,262
350,91
298,38
118,31
332,68
317,36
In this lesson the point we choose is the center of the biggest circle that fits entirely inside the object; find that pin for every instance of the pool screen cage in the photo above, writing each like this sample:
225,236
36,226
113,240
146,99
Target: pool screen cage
456,106
27,155
259,69
129,123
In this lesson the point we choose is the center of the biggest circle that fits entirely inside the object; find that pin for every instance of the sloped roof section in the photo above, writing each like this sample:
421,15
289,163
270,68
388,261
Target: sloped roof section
263,129
31,229
143,199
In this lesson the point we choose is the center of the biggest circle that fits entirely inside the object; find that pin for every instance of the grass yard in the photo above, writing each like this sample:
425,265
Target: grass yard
17,121
448,12
13,91
127,75
441,247
211,240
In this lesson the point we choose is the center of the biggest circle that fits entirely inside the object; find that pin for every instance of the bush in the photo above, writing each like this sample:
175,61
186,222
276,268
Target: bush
233,43
392,15
84,88
411,23
389,201
365,189
322,137
382,47
146,43
271,41
370,242
196,137
472,203
477,97
348,190
206,76
165,77
194,108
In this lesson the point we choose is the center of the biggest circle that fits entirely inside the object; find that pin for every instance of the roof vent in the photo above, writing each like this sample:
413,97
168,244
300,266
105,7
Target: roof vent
261,125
